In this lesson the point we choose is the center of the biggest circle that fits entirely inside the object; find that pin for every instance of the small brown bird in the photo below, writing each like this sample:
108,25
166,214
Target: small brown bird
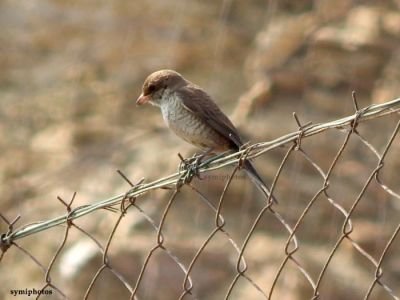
191,113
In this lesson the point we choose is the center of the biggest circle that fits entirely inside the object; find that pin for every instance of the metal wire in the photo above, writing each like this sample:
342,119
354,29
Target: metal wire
294,143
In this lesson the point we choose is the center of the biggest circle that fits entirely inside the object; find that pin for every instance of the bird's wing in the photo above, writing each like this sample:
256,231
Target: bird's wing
201,105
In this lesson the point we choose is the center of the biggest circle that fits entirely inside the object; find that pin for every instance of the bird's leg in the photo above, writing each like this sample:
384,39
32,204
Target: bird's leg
191,165
200,157
185,162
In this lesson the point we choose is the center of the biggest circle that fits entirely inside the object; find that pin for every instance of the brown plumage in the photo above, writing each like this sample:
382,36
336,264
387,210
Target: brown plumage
191,113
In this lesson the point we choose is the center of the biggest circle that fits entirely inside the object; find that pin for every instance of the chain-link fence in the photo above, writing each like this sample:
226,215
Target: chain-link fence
342,242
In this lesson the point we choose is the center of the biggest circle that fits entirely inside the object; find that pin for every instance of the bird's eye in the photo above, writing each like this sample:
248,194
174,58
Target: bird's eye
151,88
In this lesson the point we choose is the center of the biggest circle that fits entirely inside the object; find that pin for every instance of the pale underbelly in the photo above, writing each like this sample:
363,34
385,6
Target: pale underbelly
198,134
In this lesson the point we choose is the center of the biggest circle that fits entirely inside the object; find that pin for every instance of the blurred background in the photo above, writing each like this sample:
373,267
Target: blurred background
70,72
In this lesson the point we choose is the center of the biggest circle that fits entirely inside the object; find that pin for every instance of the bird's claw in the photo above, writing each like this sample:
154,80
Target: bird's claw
190,167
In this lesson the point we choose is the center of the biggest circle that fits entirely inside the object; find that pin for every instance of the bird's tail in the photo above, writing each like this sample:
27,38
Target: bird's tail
256,179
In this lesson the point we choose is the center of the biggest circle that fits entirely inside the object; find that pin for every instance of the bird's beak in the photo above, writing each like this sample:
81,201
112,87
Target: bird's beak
142,99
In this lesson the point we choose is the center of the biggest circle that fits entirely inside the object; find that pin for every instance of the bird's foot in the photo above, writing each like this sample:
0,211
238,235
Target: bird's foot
190,167
186,161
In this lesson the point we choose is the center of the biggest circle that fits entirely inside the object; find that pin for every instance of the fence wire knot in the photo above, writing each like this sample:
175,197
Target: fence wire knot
190,168
301,132
245,152
4,243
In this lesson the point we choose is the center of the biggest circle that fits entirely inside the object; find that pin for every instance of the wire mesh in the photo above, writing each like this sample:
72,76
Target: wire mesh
383,282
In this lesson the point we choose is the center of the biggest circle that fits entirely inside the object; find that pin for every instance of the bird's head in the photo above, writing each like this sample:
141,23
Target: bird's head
158,85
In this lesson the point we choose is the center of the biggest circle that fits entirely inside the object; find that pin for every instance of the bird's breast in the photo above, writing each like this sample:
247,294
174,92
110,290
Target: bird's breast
190,127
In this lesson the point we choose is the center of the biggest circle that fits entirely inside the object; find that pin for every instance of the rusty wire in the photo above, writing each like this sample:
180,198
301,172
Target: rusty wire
176,182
